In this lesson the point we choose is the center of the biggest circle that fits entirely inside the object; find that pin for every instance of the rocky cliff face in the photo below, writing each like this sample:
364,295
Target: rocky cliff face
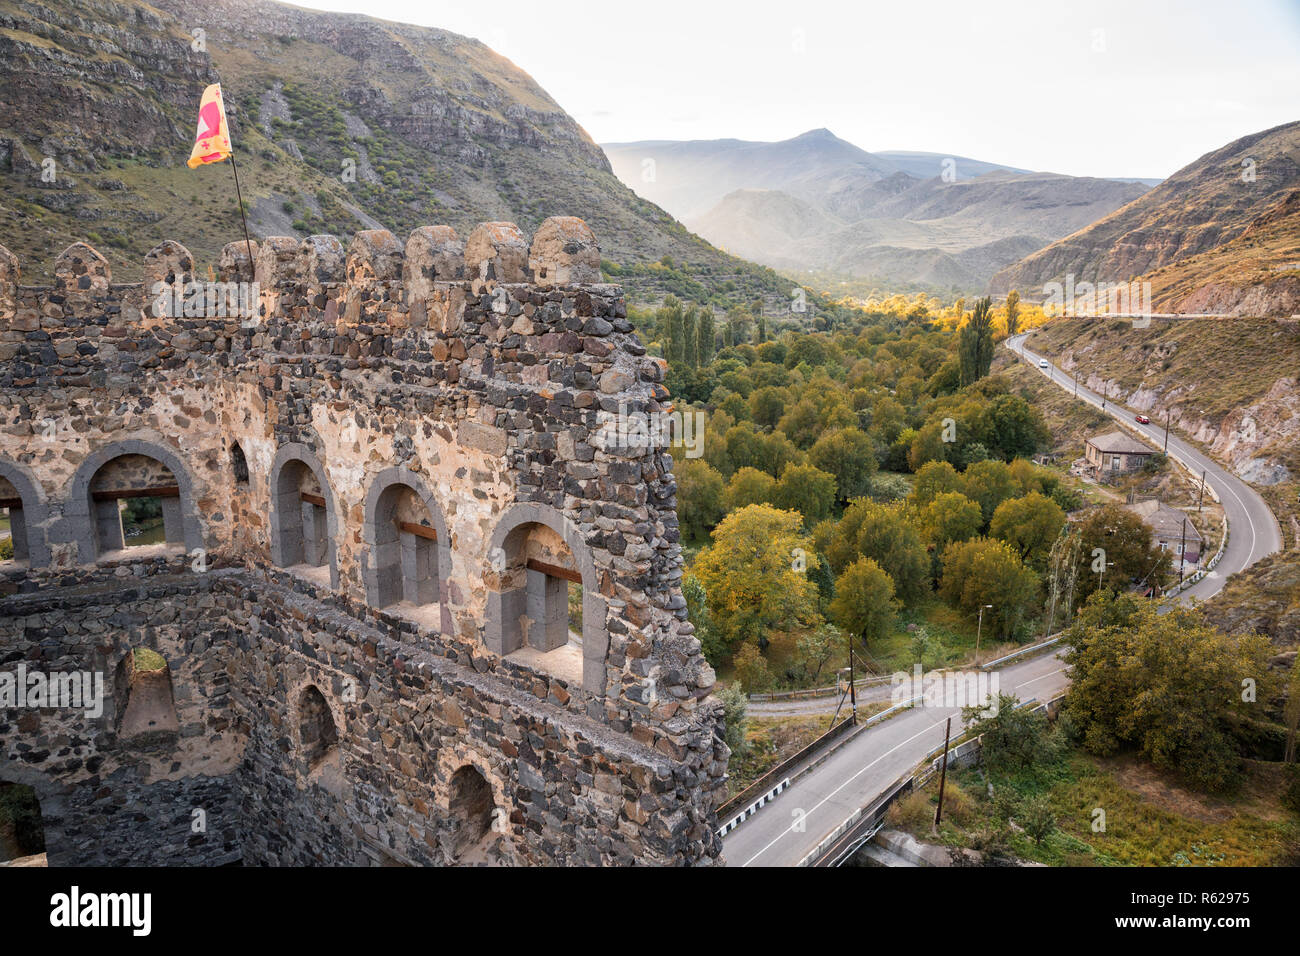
1198,212
1231,384
83,82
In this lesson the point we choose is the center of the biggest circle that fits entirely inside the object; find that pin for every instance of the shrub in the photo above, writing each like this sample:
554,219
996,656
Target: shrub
735,707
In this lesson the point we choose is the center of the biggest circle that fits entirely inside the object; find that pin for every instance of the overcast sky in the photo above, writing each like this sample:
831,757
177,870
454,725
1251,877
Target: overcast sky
1123,88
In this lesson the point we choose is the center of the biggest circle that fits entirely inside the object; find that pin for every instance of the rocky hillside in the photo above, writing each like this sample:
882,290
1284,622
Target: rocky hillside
1263,599
1256,273
1219,235
1233,385
1230,384
816,202
341,122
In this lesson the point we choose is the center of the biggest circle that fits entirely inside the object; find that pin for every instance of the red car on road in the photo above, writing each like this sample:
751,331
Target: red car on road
1143,420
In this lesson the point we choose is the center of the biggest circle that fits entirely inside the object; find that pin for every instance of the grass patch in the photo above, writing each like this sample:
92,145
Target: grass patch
149,660
1149,820
772,740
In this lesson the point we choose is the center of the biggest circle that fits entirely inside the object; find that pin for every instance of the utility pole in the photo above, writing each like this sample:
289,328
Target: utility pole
943,774
853,693
1076,381
1201,497
1182,549
1166,431
1105,394
978,631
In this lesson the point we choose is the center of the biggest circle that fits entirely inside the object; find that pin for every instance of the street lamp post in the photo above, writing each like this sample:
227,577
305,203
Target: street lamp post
979,630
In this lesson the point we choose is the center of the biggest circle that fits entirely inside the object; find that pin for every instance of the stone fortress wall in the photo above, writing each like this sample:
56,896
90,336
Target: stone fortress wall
377,490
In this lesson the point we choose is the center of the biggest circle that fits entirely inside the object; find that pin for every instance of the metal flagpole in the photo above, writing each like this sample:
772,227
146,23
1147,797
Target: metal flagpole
248,243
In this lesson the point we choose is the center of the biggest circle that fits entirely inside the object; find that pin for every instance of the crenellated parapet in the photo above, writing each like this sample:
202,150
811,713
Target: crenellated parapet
425,437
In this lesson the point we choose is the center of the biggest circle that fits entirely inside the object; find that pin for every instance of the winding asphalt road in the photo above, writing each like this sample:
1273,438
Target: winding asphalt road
1253,531
858,771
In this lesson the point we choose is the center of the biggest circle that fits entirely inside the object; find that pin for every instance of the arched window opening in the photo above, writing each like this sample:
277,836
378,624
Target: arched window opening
405,554
22,831
472,812
13,524
238,464
316,729
304,519
149,709
540,587
135,503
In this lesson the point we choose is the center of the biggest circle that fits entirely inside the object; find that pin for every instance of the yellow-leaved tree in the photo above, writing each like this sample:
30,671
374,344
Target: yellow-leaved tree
755,573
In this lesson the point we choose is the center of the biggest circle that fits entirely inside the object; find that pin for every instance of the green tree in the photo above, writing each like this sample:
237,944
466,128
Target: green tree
975,343
886,534
699,496
677,336
1011,428
864,603
735,717
1030,525
749,573
848,454
748,486
690,337
815,649
951,517
807,490
1014,737
1013,312
767,405
697,612
927,446
745,446
989,483
1167,684
986,571
1037,818
752,670
1120,542
933,479
705,336
927,650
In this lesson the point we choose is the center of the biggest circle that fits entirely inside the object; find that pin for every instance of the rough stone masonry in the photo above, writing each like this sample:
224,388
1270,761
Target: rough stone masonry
383,489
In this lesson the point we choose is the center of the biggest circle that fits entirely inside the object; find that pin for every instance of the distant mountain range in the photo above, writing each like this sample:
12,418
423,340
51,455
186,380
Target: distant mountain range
1220,235
817,202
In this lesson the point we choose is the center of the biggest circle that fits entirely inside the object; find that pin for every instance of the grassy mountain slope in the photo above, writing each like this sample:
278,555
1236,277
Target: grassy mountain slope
433,127
1199,211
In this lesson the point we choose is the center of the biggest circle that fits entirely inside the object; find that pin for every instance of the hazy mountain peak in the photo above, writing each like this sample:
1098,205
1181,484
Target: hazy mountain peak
816,201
